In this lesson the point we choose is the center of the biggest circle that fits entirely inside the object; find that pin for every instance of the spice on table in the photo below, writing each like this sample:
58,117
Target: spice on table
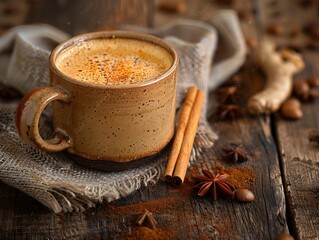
230,111
239,177
146,219
214,184
244,195
145,233
236,153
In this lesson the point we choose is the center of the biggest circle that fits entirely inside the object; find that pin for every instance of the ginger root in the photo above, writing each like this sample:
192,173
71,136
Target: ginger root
279,68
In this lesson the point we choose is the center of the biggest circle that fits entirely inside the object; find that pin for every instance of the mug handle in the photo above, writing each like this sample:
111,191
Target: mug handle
28,115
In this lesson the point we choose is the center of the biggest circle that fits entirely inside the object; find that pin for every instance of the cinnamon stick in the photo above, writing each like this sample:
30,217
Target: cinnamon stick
188,140
179,136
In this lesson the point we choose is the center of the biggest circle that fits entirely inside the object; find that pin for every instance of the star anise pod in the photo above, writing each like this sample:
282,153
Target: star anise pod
210,182
230,111
146,218
236,153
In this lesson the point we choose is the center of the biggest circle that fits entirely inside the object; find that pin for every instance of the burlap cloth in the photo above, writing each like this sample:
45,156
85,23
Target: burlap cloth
55,180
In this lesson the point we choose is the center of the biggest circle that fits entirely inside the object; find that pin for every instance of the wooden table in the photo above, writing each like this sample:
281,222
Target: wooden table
285,162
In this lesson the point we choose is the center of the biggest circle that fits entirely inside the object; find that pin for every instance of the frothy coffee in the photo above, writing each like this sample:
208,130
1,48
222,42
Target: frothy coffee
114,61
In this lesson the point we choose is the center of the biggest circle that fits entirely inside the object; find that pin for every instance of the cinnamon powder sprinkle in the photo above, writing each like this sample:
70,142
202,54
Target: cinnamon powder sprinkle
239,177
154,206
142,233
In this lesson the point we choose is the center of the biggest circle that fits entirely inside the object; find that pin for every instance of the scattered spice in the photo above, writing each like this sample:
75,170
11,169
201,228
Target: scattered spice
239,177
230,111
210,182
155,206
244,195
145,233
236,153
146,219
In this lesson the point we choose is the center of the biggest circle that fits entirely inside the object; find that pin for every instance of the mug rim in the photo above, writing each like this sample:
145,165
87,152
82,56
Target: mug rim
111,34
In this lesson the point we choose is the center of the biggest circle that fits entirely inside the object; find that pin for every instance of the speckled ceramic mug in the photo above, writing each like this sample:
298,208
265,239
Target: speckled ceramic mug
119,123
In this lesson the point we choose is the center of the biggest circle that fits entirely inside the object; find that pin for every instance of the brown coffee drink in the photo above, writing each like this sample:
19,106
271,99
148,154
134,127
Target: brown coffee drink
114,61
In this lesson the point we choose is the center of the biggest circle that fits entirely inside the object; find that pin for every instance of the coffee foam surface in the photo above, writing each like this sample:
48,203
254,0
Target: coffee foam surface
114,61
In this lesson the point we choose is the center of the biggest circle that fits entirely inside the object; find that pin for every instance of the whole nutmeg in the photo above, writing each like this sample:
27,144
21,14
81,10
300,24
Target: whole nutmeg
285,236
301,88
291,109
244,195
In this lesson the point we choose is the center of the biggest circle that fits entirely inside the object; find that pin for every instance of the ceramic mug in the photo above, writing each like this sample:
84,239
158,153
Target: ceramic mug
118,123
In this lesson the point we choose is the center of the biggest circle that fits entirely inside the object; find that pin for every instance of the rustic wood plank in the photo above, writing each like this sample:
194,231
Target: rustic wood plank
300,162
299,158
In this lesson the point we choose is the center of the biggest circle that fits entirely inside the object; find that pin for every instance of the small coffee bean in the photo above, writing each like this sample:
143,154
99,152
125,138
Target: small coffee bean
301,88
244,195
313,81
285,236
